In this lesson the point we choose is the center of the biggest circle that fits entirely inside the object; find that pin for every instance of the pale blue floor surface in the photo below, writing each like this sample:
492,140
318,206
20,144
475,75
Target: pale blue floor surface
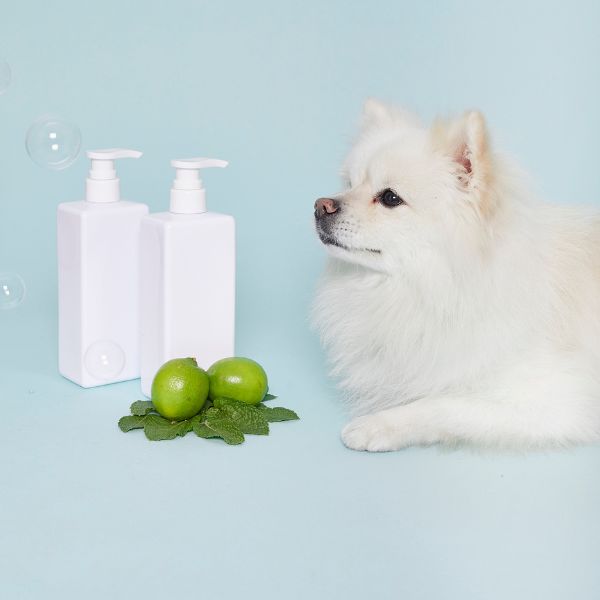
89,512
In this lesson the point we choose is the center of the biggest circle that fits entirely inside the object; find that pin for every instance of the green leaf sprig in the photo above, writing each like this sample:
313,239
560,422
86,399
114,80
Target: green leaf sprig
223,418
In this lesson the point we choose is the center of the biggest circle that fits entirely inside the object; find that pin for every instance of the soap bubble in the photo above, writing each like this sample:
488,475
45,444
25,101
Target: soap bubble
53,142
12,290
104,360
5,76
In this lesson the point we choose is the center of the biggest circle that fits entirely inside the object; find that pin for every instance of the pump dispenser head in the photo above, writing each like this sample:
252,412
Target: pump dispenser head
188,196
102,184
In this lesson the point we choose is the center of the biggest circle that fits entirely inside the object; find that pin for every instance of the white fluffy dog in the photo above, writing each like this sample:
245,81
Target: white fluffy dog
455,307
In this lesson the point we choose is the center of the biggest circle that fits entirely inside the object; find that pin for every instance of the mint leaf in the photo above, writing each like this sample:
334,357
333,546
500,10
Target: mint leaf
215,423
268,397
203,431
227,430
158,428
131,422
247,418
142,407
200,429
277,413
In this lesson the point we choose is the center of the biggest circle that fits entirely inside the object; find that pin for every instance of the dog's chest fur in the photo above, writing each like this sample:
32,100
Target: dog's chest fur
389,343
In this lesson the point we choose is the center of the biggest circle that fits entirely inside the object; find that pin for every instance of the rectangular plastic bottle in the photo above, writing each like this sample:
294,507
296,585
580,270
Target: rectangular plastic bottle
98,272
187,278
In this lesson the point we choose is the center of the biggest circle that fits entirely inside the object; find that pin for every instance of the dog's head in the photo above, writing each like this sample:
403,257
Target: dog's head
413,195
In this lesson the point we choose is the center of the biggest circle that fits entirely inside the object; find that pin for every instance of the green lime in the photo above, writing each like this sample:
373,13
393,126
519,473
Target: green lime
239,378
179,389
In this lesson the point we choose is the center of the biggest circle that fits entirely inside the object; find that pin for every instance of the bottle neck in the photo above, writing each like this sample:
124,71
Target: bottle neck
188,202
102,190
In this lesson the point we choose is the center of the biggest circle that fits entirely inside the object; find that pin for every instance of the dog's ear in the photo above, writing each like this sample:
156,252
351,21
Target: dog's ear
379,114
375,111
466,141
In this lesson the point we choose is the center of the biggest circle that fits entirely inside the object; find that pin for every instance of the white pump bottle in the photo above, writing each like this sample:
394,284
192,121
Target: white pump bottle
98,266
187,277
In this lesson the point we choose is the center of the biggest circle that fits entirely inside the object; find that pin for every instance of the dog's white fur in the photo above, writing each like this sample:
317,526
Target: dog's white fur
478,321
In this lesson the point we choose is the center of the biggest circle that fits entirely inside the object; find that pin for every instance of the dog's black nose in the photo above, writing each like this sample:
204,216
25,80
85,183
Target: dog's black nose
325,206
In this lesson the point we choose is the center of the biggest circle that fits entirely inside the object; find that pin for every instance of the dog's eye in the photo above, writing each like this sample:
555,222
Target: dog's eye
389,198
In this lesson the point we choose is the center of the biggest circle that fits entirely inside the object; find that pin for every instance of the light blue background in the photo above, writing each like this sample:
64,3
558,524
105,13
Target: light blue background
276,88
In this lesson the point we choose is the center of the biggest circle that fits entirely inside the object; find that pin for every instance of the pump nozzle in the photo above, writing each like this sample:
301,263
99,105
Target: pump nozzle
188,196
102,184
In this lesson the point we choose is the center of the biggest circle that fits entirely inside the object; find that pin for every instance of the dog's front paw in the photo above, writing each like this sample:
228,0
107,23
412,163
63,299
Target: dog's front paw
372,433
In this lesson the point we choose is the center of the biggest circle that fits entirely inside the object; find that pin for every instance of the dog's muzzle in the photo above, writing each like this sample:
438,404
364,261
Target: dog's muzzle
326,209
